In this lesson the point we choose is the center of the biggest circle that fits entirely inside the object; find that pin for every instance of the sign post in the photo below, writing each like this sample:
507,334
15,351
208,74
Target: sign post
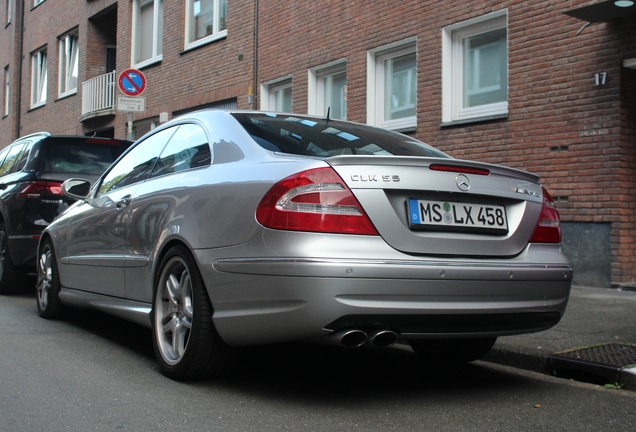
132,83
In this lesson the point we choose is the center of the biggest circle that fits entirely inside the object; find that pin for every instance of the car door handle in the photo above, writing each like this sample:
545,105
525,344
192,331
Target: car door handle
122,203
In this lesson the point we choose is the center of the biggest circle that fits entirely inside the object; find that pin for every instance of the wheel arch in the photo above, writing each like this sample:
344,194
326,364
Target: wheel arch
45,236
156,271
58,250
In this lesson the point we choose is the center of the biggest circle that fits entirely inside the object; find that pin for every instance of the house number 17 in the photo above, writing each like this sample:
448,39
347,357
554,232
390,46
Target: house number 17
600,78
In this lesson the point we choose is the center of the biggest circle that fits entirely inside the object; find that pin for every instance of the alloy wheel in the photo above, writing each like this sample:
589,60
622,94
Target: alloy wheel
174,311
45,277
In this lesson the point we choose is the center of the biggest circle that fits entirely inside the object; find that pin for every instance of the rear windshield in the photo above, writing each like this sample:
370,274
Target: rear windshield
311,136
78,158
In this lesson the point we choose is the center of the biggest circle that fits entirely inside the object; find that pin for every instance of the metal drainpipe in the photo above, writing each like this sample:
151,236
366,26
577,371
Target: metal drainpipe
254,88
19,71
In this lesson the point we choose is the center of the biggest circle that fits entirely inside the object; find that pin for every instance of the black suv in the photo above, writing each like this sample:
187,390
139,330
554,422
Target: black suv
32,170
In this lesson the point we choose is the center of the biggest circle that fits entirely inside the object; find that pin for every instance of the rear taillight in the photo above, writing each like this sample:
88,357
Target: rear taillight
315,200
37,188
548,229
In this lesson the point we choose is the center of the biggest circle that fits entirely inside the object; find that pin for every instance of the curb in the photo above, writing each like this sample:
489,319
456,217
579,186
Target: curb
628,378
517,359
532,361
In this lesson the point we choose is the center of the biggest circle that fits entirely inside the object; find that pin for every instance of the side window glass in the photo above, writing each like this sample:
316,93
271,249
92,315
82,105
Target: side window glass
188,148
137,164
11,159
3,155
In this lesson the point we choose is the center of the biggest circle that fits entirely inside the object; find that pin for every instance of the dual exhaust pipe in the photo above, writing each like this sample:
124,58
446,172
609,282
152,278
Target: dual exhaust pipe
352,338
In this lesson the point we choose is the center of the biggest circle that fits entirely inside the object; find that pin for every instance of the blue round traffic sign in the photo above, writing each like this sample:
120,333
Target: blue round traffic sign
132,82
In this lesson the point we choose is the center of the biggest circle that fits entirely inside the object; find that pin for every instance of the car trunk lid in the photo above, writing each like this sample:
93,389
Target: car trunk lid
437,206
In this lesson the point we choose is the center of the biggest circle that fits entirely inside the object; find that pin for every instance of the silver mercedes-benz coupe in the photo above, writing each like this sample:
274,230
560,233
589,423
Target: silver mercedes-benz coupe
222,229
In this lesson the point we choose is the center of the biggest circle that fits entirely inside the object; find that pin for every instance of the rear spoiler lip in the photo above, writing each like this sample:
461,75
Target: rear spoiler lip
425,162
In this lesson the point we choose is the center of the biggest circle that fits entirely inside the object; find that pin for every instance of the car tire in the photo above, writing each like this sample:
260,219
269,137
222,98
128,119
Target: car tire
441,352
48,283
12,277
187,345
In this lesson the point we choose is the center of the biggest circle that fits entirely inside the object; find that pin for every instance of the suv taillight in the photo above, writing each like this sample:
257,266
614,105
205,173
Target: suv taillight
316,200
37,188
548,229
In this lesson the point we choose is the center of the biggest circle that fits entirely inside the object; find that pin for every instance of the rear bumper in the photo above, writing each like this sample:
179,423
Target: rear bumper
281,299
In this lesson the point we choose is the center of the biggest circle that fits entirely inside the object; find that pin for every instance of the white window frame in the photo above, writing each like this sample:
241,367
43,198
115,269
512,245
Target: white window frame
37,2
39,78
69,64
268,92
189,22
9,10
452,69
7,92
157,34
316,86
376,85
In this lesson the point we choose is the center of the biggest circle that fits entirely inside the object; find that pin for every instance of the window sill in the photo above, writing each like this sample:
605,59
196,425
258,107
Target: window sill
407,124
149,62
67,94
474,120
34,107
406,129
204,41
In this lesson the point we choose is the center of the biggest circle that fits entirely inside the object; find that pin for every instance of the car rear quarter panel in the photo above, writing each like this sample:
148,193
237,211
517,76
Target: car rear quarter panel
207,208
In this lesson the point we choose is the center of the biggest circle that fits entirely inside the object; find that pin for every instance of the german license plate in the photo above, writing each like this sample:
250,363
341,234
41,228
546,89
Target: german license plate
455,216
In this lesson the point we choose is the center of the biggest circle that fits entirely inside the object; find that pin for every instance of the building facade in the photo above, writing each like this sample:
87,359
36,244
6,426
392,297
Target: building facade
544,86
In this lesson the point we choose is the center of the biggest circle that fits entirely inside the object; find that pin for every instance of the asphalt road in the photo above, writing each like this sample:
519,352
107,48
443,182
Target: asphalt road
93,372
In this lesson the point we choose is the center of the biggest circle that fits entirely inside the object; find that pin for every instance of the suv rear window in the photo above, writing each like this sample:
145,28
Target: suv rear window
311,136
69,158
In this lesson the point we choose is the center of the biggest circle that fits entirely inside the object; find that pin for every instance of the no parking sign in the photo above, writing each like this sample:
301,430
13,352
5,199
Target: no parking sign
132,82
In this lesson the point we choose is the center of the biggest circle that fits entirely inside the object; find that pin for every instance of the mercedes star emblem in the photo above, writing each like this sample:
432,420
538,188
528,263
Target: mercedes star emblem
462,182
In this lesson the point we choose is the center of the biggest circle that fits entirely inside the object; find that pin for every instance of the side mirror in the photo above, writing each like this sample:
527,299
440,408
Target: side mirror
76,188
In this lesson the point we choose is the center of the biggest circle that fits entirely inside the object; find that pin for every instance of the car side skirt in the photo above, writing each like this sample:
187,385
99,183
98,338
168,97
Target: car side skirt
134,311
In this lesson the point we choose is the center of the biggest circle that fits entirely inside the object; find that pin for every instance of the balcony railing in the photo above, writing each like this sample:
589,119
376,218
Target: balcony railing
99,95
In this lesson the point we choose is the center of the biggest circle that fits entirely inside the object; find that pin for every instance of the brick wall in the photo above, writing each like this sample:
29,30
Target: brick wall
8,58
213,72
578,136
216,71
561,125
624,232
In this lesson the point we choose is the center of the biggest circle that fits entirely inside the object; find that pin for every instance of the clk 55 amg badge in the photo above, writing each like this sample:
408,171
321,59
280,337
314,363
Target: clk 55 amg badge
374,178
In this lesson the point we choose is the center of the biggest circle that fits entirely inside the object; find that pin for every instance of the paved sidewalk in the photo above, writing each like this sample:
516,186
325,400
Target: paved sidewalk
594,316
